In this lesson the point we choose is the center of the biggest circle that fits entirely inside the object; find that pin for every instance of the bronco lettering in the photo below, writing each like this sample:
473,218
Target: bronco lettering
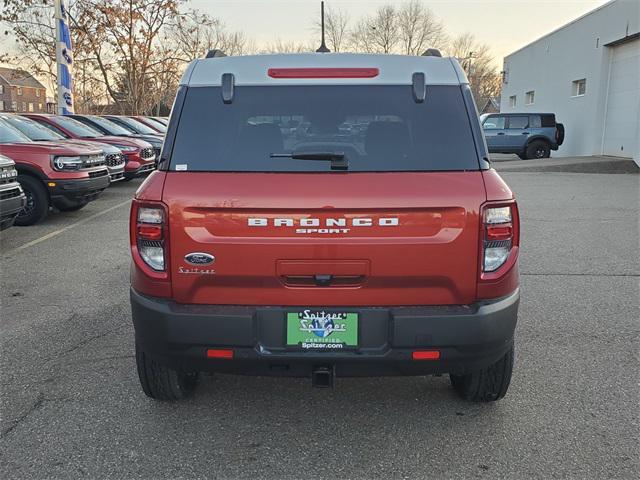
327,222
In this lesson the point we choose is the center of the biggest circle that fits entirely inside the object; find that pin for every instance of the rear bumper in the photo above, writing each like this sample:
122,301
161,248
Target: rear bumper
468,337
67,193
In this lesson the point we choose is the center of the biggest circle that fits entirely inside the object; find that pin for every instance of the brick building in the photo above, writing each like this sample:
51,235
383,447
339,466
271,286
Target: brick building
21,92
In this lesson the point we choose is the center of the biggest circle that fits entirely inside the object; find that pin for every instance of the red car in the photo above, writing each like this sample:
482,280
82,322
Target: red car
53,174
377,240
141,157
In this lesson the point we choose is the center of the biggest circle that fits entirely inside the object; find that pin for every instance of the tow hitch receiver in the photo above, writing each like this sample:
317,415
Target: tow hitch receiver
322,377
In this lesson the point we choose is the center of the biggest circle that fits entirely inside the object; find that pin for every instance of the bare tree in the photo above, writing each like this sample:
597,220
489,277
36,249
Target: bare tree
32,25
281,46
194,33
419,28
478,62
123,34
376,33
336,23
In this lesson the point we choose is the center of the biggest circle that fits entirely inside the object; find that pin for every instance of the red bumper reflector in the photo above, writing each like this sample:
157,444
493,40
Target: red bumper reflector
323,72
426,355
219,353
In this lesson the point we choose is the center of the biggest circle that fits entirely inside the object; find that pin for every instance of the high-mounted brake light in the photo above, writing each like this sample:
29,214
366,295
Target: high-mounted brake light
323,72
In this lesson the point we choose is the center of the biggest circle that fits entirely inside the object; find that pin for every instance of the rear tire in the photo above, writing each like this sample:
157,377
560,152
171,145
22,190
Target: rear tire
486,385
162,383
37,205
538,149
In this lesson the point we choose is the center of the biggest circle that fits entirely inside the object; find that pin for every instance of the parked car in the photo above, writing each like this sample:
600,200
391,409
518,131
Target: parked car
529,135
37,132
263,250
162,120
109,127
12,198
135,126
53,174
141,156
150,122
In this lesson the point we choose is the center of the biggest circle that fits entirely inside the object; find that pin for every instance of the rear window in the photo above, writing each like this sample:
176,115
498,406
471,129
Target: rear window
548,121
377,127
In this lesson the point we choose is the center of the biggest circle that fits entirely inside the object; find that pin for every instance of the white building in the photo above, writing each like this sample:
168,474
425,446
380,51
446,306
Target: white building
587,73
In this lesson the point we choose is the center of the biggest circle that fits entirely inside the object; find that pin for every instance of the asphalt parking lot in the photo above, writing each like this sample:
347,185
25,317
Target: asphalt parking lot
72,406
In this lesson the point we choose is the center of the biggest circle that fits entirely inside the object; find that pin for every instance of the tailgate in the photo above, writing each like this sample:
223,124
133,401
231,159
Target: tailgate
324,239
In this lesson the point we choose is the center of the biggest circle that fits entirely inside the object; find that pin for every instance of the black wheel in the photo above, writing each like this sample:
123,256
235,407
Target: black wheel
486,385
538,149
162,383
74,208
522,156
37,205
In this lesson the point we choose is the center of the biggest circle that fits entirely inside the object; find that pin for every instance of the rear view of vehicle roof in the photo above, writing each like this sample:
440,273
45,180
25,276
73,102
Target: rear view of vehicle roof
391,69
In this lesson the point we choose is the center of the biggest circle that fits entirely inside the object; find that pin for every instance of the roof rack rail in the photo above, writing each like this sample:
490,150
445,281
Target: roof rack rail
432,52
215,53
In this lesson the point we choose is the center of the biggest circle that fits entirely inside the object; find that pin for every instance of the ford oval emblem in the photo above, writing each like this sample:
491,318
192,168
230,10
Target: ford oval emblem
199,258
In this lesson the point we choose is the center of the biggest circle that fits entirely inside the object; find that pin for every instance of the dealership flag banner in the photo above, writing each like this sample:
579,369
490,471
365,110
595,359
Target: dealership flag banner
64,57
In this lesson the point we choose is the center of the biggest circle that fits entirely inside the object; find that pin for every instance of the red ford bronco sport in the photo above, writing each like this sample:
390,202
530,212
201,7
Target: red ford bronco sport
325,214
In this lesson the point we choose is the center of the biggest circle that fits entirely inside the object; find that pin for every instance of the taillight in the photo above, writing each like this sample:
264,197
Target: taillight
498,236
151,223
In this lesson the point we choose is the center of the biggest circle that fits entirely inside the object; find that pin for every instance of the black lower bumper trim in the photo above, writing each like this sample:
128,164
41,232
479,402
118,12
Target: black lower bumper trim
468,338
67,193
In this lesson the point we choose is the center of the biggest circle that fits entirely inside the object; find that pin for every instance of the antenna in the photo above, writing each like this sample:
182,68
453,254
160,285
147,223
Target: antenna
323,47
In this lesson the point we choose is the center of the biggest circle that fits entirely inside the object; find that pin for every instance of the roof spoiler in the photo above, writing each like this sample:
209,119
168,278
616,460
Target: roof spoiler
215,53
432,52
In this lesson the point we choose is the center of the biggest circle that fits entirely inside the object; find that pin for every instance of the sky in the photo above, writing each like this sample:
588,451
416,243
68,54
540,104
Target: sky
506,25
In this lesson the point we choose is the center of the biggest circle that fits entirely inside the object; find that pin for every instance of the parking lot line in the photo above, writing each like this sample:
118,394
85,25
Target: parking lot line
55,233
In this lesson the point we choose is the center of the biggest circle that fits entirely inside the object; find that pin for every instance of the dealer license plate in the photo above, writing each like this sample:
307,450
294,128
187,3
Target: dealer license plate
319,330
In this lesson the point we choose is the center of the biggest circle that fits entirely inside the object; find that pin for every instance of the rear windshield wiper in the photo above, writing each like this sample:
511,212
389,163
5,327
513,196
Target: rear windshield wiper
337,159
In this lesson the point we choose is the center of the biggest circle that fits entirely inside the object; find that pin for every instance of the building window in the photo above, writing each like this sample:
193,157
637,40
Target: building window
1,105
579,87
30,106
1,89
39,107
512,101
529,97
14,106
19,90
24,106
38,92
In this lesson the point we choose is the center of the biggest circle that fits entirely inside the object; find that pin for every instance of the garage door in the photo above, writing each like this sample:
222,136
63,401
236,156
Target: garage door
623,101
